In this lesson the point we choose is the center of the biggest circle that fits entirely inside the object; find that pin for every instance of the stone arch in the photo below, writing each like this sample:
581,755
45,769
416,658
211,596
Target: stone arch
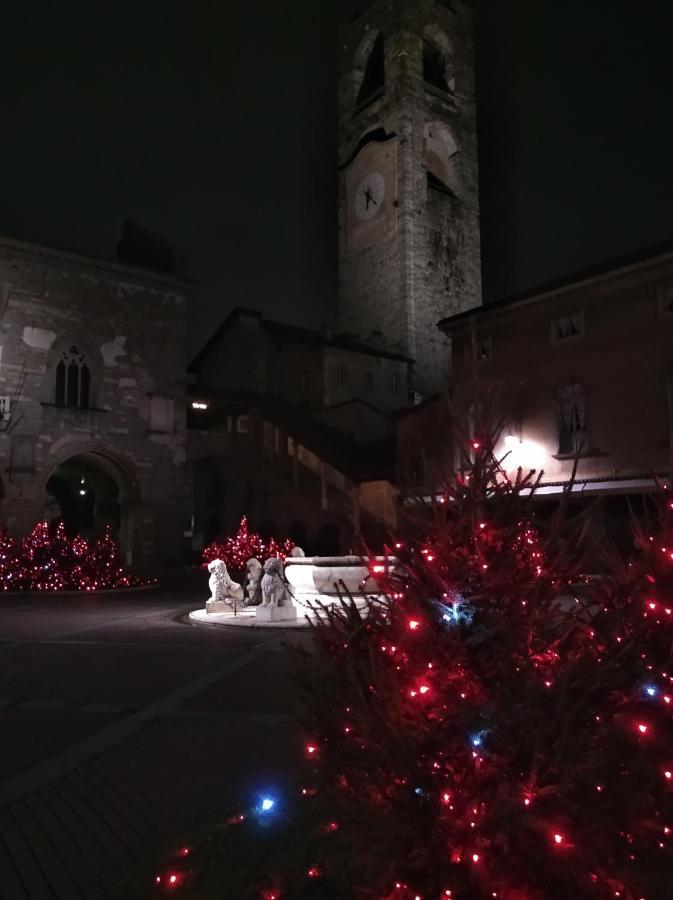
90,487
67,350
369,67
441,154
438,59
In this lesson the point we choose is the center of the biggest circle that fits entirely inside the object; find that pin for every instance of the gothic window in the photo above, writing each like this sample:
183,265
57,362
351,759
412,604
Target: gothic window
568,326
73,380
341,375
396,383
572,419
374,78
434,67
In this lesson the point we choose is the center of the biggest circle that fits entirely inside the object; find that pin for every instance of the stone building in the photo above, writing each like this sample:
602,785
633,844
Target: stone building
581,372
409,244
293,428
92,398
350,386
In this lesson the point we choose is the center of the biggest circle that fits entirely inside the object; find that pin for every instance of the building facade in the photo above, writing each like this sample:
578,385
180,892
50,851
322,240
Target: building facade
345,384
93,398
581,375
409,245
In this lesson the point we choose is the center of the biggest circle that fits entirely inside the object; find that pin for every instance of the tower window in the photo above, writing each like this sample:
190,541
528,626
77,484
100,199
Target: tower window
374,78
571,404
73,380
434,68
341,375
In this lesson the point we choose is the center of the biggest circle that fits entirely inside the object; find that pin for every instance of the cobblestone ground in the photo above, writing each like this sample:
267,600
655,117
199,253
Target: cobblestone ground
124,731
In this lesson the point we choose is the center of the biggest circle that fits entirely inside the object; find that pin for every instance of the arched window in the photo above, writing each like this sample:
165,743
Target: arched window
572,419
73,380
374,78
441,157
434,67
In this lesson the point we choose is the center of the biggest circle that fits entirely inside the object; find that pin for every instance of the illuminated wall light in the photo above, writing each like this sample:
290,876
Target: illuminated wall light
199,404
523,454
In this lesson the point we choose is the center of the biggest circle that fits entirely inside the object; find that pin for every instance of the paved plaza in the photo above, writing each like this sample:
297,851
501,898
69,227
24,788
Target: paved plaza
125,730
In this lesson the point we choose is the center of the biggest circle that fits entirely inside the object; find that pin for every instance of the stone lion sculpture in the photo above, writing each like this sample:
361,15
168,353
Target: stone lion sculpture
253,587
222,588
275,589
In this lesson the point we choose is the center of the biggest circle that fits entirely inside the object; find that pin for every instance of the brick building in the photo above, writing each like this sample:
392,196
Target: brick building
581,371
92,396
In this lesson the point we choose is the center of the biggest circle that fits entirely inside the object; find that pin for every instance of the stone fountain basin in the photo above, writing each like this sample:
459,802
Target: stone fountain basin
325,577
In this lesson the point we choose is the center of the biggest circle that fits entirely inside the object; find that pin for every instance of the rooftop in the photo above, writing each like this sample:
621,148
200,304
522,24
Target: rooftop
606,268
296,332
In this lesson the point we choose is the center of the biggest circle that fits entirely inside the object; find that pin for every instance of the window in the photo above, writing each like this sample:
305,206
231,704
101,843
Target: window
434,68
341,375
568,326
243,424
374,78
571,404
416,469
483,348
666,299
368,381
73,380
396,383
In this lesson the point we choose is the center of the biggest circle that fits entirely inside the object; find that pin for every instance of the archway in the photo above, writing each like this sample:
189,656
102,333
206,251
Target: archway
90,492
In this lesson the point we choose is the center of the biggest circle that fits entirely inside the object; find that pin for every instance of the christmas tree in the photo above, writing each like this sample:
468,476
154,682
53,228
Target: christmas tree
48,560
244,545
495,726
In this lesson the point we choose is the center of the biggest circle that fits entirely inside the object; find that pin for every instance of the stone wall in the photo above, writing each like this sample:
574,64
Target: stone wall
424,262
128,326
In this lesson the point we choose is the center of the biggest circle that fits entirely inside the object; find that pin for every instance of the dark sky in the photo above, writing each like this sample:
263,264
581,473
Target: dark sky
213,123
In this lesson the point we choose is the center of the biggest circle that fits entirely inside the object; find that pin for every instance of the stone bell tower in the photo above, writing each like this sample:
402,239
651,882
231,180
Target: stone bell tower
409,247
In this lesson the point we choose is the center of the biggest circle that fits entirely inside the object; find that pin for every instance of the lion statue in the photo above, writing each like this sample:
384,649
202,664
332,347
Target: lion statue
222,588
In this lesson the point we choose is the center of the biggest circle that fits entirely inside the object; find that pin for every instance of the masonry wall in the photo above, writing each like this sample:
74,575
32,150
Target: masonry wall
129,325
623,359
425,264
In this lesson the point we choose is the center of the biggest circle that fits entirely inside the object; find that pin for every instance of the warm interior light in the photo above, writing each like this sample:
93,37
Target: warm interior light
199,404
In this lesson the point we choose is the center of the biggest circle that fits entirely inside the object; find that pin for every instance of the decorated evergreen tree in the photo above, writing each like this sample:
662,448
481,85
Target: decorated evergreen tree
495,726
236,551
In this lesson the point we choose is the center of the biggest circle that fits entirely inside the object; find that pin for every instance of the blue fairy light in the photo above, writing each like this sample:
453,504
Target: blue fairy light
455,610
267,804
650,690
477,738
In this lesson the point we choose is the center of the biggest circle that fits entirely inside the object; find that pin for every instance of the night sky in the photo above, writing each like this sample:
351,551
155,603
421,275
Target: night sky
213,123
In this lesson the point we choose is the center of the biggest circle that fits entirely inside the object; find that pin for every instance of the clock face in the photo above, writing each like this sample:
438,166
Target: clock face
369,196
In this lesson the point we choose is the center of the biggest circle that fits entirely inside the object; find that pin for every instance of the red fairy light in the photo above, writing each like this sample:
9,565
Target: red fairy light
314,872
378,569
413,624
558,839
311,749
424,689
643,728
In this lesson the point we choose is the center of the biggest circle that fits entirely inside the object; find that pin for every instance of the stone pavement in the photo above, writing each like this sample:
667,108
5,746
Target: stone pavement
125,731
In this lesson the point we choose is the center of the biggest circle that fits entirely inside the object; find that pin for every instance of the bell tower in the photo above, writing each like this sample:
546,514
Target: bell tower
409,246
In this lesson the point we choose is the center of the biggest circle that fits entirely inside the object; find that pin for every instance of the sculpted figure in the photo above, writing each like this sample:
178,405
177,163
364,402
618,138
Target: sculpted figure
275,590
253,587
222,588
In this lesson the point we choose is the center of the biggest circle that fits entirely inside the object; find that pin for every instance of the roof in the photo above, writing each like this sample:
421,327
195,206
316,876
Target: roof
99,262
306,335
614,266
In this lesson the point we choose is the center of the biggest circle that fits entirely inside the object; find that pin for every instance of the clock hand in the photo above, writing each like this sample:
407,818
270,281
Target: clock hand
369,198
